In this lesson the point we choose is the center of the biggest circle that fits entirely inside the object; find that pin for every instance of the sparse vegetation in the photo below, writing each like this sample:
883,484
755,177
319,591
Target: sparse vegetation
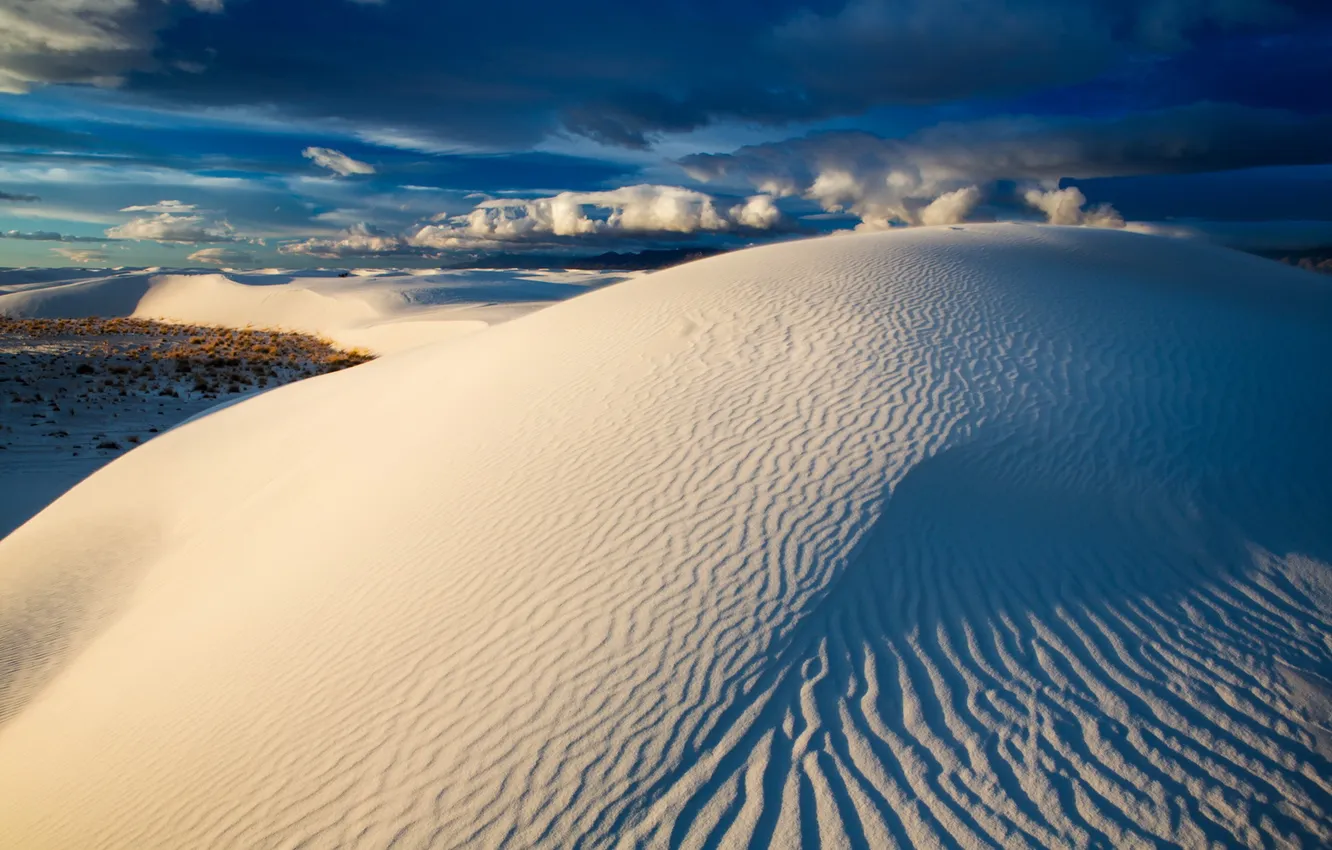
139,368
186,346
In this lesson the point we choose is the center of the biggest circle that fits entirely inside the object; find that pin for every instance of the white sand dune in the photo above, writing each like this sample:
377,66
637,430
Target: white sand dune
380,310
950,537
71,293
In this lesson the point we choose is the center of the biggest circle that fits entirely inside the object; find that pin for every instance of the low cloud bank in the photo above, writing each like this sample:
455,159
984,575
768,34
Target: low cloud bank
950,172
359,240
49,236
1258,237
628,212
221,257
82,256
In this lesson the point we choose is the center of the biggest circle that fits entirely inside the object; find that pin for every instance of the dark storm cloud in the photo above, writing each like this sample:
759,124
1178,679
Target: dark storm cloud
81,41
1255,194
510,73
18,198
1285,70
1197,138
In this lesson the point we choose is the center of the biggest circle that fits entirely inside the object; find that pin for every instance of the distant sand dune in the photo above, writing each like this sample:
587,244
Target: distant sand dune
381,310
1000,535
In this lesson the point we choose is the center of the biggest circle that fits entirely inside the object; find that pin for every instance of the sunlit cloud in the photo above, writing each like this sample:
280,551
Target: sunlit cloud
162,207
337,162
82,256
1067,206
221,257
181,228
626,212
359,240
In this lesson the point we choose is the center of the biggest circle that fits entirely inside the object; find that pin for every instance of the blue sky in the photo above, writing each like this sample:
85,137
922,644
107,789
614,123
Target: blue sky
413,132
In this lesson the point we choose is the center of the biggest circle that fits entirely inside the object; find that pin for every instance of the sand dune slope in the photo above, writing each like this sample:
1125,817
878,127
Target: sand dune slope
381,310
954,537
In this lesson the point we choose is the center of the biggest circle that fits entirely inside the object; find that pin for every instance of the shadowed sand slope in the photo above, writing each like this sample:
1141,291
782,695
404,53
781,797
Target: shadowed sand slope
952,537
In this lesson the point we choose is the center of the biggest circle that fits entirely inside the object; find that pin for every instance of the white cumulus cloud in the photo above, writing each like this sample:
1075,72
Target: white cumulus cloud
82,256
951,207
1066,206
221,257
759,212
642,209
358,240
629,211
166,227
337,161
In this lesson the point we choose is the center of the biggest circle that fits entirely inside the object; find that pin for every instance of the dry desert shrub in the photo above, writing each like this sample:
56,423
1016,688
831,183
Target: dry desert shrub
189,346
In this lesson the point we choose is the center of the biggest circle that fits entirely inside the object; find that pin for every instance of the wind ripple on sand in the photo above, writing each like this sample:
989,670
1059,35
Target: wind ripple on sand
1001,536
